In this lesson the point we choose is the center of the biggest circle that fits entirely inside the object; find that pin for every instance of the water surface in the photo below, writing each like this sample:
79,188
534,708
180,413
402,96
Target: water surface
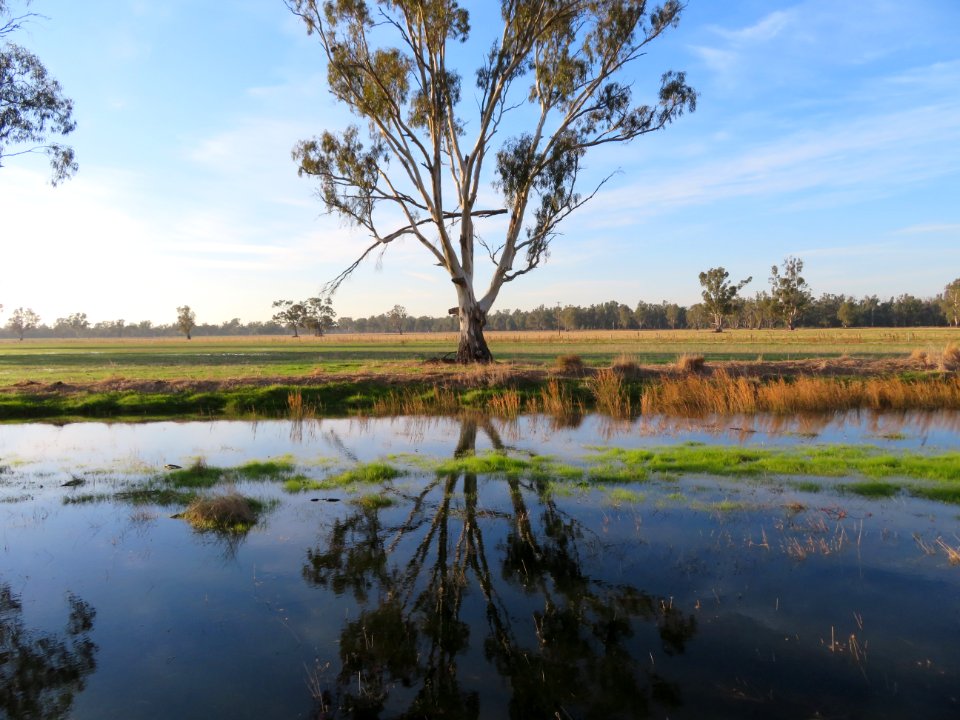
471,596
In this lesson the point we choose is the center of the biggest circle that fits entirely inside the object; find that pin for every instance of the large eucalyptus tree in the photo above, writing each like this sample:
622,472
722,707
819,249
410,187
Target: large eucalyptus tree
554,64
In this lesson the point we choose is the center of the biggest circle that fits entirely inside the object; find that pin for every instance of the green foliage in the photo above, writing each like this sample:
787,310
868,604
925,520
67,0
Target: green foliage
719,295
186,320
790,291
32,105
560,59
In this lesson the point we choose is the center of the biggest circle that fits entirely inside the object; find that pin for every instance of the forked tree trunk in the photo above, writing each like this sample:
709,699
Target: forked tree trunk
473,347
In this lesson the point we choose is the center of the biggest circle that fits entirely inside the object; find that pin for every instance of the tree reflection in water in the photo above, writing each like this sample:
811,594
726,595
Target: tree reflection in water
406,653
41,672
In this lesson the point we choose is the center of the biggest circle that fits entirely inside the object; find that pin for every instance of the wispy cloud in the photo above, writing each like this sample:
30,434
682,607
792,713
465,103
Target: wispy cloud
862,155
764,30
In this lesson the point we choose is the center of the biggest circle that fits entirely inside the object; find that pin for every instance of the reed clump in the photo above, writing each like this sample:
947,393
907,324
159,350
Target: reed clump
724,394
557,400
436,400
297,409
230,512
506,404
609,394
691,363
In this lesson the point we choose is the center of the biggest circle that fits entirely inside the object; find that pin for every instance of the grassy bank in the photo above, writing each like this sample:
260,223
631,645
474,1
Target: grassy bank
555,375
606,391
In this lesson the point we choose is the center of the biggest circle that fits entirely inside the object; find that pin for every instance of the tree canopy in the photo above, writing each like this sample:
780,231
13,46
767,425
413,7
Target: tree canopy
790,290
428,151
719,295
32,106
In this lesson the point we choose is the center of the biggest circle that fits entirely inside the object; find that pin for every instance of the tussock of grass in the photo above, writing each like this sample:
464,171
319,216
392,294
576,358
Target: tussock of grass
570,363
197,475
691,363
373,501
950,359
273,469
622,496
302,483
230,512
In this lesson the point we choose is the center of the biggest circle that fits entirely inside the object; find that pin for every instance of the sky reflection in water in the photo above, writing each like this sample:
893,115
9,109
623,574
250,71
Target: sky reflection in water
473,596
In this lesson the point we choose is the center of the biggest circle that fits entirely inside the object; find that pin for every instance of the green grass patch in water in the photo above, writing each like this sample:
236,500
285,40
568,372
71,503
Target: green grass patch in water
874,489
373,501
623,496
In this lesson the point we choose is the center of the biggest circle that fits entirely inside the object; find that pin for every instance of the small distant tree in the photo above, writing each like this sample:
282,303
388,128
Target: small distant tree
719,295
790,291
22,321
950,303
290,314
319,315
186,320
396,316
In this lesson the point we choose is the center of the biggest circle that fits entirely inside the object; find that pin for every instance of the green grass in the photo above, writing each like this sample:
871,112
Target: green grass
219,358
621,496
363,474
373,501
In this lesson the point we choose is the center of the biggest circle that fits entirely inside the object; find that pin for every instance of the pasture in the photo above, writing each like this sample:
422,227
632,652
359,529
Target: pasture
83,361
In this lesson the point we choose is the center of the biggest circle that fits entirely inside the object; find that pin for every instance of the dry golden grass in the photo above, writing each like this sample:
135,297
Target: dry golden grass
726,394
609,394
437,400
953,554
690,363
950,359
921,359
570,363
625,364
506,404
556,400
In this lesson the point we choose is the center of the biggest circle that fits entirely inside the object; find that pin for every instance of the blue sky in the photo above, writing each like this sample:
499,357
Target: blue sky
825,130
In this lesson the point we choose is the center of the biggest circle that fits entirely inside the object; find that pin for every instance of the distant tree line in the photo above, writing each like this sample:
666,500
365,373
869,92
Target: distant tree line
786,303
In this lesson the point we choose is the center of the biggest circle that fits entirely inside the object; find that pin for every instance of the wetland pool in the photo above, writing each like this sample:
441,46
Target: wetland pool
477,568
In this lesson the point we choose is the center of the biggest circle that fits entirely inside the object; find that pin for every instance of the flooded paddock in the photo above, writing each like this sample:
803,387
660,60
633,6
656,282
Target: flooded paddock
499,569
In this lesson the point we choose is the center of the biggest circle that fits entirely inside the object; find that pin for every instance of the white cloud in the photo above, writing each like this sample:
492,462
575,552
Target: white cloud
764,30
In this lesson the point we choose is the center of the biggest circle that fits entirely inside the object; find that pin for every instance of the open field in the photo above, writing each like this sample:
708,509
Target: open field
618,373
222,358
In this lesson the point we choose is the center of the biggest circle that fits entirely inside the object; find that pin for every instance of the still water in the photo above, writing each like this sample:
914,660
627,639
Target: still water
472,596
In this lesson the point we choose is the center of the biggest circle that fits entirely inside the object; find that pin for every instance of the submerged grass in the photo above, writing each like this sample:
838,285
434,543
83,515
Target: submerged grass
372,473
